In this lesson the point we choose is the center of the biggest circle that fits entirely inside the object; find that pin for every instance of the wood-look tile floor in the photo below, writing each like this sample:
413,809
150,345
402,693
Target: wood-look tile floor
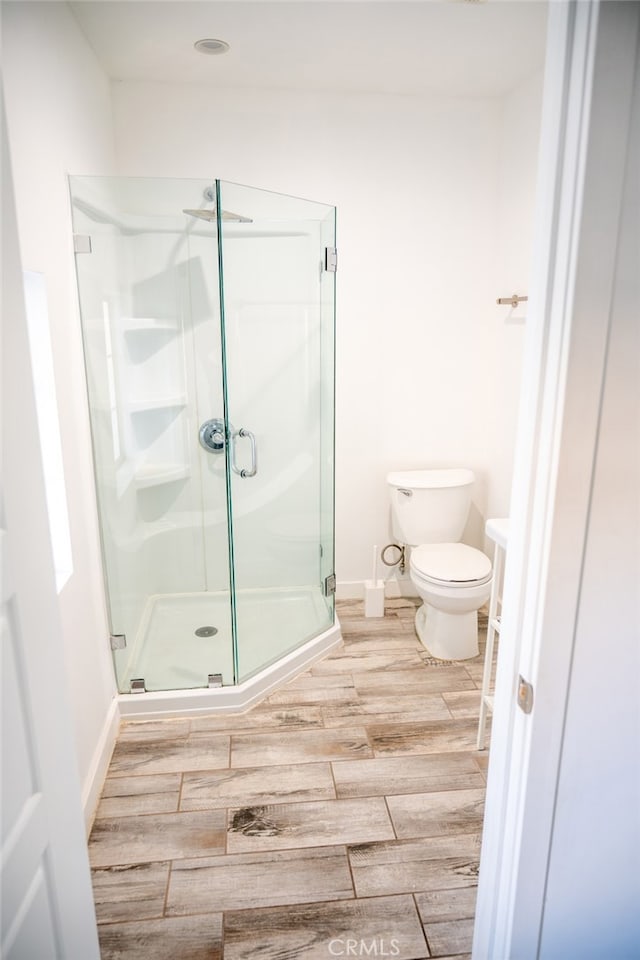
340,817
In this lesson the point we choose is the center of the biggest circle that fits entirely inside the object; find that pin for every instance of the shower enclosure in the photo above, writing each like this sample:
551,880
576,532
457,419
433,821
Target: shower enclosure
208,327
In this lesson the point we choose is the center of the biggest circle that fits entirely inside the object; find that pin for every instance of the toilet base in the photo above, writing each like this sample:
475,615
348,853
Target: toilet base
447,636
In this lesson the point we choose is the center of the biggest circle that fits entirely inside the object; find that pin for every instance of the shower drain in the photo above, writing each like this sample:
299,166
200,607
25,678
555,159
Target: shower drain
206,631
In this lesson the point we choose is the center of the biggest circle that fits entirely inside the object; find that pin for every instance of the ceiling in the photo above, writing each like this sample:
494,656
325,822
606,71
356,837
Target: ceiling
455,47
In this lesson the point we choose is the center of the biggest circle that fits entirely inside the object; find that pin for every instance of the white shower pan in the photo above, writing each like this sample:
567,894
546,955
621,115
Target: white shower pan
168,648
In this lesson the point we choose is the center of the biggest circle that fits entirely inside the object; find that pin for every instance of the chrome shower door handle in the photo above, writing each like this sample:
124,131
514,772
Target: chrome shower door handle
254,453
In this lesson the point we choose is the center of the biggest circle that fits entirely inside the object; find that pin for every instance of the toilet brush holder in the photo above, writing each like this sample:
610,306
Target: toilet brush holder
374,591
374,598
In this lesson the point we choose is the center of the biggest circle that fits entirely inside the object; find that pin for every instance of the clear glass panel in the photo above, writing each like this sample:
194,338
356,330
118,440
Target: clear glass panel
149,303
278,333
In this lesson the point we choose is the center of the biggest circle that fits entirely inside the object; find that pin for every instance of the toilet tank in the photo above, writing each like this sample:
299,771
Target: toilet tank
429,506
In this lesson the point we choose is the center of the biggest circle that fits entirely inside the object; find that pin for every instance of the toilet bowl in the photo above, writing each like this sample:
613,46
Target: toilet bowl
454,581
429,509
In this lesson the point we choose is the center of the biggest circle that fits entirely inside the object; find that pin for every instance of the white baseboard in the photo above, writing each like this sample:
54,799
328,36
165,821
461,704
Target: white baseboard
94,781
354,589
350,590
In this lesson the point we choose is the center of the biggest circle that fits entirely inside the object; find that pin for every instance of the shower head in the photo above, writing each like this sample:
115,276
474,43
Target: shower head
210,216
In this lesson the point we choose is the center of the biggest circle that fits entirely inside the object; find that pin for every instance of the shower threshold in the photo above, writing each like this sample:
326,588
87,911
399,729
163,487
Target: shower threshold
185,638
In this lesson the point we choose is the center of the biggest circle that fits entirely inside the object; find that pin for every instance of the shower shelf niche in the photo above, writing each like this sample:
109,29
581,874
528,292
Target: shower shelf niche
157,403
156,396
149,325
156,474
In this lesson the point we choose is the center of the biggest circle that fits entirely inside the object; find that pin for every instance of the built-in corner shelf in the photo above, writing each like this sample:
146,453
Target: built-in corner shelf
155,398
149,325
157,403
156,474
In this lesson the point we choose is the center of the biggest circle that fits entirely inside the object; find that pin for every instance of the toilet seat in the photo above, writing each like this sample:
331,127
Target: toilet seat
450,564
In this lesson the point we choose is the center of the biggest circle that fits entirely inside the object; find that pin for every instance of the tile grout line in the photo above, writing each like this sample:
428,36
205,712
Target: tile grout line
333,780
447,706
180,792
422,925
391,820
165,903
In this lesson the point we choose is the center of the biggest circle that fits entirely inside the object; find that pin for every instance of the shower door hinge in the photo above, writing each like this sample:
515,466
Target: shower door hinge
118,641
330,259
137,686
81,243
329,586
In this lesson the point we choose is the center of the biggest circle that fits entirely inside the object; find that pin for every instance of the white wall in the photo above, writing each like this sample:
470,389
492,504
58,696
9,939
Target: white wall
424,190
59,120
518,168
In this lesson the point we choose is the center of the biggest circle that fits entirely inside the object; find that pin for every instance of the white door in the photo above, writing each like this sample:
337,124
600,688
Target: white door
47,908
558,874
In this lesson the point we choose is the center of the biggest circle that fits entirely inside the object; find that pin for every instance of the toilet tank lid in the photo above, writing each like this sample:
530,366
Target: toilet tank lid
425,479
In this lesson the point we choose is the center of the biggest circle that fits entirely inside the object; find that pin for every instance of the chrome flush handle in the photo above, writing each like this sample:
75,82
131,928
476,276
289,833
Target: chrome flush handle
406,493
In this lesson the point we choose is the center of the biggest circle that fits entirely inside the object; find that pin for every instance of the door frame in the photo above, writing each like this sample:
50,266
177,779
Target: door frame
589,76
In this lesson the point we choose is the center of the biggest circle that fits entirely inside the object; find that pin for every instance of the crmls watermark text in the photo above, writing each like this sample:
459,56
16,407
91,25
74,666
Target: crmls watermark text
364,948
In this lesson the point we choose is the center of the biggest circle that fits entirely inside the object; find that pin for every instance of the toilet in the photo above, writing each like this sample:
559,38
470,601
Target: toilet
429,510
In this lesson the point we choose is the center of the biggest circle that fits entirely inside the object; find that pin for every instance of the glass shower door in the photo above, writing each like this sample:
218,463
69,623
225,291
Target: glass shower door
146,263
277,304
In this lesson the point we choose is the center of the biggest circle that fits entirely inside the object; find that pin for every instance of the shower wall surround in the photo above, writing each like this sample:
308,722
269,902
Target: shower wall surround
208,301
